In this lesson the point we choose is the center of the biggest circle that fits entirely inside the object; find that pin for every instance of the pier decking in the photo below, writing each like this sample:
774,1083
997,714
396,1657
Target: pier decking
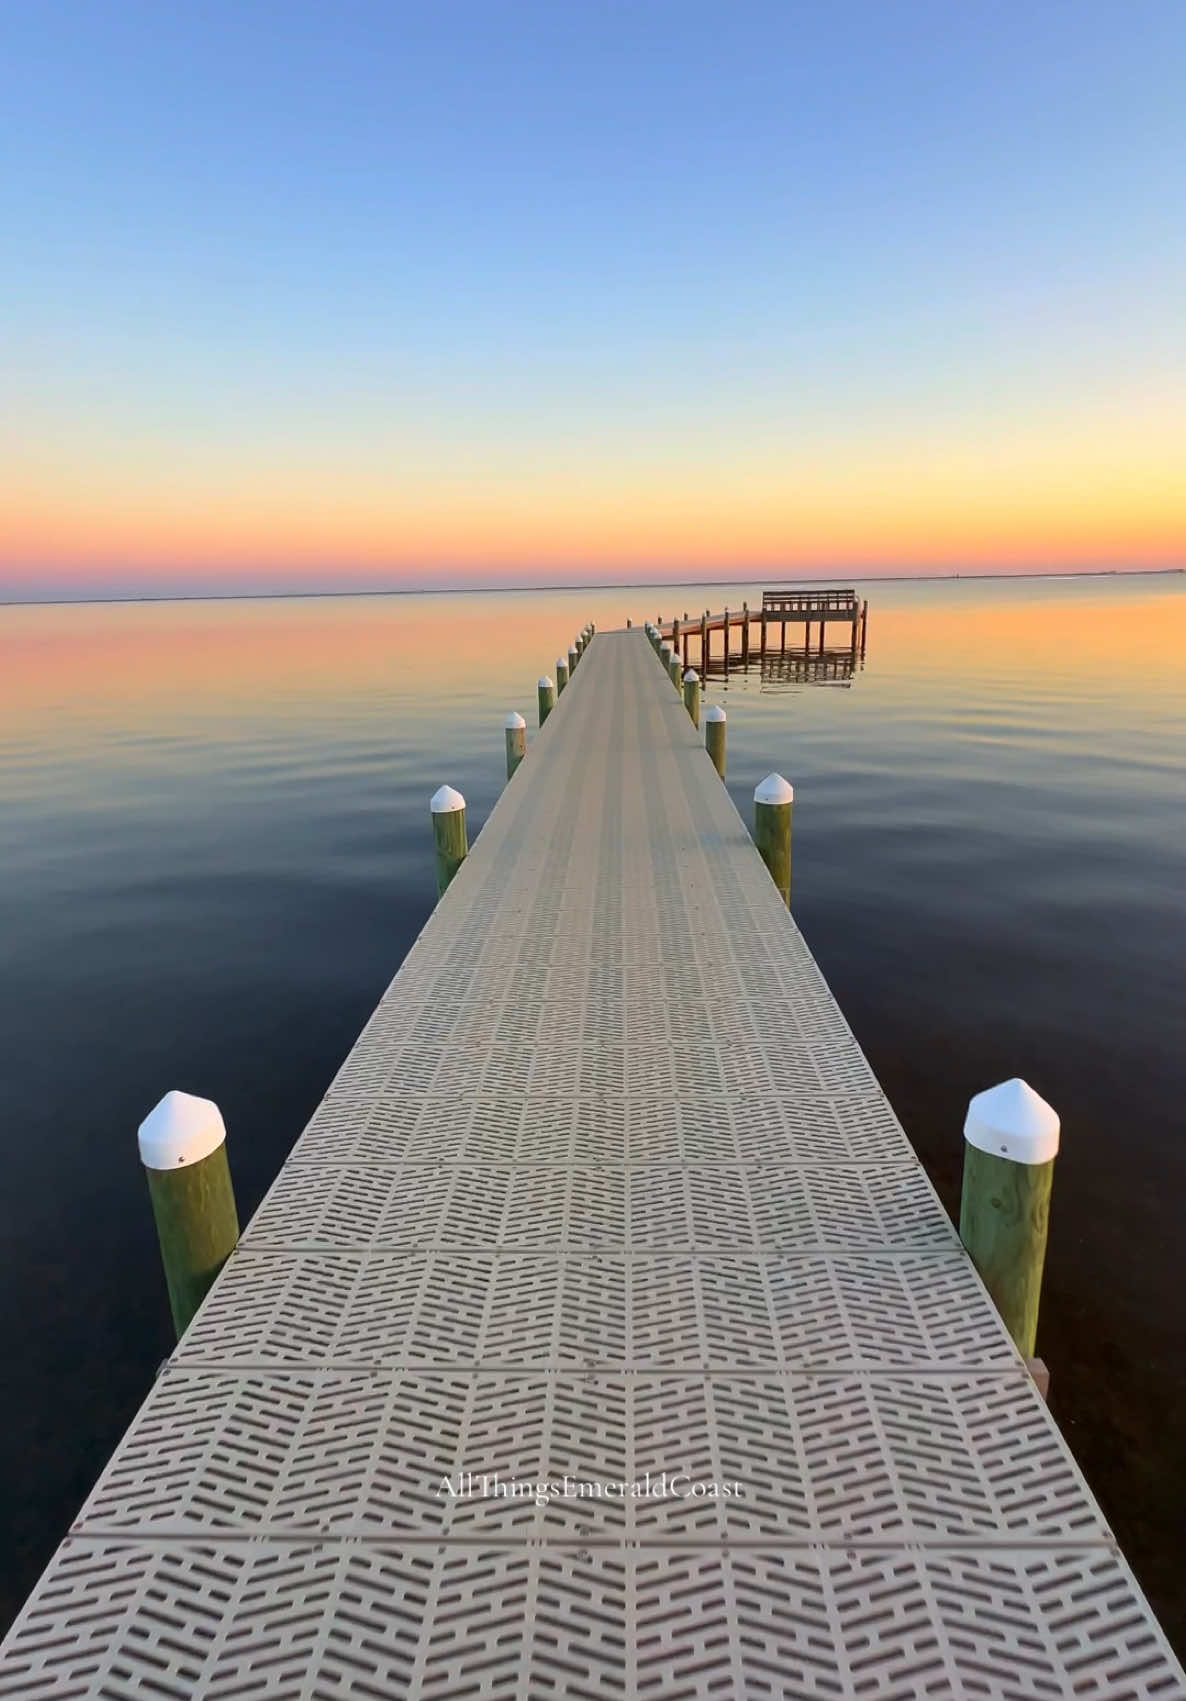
605,1188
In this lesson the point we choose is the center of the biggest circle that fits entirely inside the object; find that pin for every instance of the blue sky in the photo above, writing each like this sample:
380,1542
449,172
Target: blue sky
538,274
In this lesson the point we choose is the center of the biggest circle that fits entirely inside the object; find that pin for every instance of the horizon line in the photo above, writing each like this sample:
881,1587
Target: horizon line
591,585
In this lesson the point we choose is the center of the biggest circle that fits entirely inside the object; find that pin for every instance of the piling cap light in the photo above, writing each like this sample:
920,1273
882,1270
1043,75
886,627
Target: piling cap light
445,801
181,1130
1012,1121
774,789
514,721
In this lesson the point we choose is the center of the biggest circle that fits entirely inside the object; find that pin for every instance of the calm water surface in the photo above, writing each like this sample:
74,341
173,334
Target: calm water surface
216,851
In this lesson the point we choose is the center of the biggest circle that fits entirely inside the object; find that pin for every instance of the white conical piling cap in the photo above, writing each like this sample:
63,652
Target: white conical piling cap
546,684
1012,1121
714,712
181,1130
514,721
691,677
665,648
561,664
774,789
445,801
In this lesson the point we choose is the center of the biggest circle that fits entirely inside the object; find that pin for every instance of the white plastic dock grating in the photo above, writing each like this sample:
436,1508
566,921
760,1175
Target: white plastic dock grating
607,1194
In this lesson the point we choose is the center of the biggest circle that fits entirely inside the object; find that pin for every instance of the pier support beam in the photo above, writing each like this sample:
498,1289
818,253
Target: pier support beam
1010,1143
692,695
183,1149
545,693
772,829
714,736
448,827
516,741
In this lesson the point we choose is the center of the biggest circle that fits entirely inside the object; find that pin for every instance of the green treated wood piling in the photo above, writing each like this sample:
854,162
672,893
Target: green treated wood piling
1010,1143
692,695
448,826
516,741
561,673
546,694
714,736
772,829
183,1149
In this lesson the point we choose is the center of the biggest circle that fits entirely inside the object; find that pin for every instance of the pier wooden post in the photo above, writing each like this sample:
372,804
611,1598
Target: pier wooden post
673,668
692,695
448,826
561,674
546,694
573,658
1010,1143
516,741
183,1149
714,736
772,829
864,626
762,650
745,634
665,654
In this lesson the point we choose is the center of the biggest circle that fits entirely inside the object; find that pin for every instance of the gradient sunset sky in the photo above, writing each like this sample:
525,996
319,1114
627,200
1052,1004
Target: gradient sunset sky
353,295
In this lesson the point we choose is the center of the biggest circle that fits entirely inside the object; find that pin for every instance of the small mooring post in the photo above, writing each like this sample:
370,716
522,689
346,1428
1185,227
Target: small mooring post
448,827
573,659
692,695
546,694
772,829
714,736
1010,1143
674,669
561,673
183,1149
665,655
516,740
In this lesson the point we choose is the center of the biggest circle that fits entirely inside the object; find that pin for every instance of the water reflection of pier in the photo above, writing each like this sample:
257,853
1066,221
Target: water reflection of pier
777,672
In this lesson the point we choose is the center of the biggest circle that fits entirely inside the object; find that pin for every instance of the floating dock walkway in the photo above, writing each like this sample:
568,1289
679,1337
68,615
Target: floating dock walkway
605,1192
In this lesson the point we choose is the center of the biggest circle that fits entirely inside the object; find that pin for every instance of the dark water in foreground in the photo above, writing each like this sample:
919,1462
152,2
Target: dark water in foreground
216,851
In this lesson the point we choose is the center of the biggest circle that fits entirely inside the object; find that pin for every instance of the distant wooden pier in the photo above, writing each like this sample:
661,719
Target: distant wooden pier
692,635
602,1334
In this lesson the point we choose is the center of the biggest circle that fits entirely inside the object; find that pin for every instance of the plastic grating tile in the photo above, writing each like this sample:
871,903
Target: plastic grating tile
300,1621
605,1195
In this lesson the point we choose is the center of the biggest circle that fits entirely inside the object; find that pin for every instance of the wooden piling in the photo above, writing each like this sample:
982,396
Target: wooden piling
561,674
545,693
745,634
714,736
772,829
515,728
692,695
183,1149
448,826
1010,1143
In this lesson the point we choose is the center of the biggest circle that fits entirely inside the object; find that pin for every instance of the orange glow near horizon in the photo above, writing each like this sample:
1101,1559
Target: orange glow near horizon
1034,499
